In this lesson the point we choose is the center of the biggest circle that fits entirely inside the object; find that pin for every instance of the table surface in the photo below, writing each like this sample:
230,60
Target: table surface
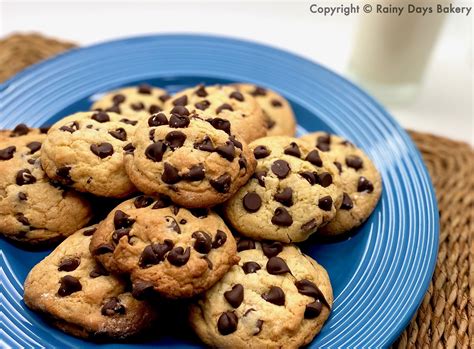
443,105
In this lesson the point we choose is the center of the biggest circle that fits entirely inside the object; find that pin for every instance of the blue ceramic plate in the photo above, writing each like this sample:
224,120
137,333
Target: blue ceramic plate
379,274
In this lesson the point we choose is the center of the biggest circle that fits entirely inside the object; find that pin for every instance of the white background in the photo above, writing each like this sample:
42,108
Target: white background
443,105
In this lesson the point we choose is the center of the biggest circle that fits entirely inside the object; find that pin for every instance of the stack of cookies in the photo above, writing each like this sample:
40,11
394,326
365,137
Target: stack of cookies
214,192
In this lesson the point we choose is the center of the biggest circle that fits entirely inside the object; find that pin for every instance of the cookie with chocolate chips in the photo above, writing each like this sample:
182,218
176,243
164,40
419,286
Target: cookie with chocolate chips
85,151
239,109
135,101
80,297
164,248
191,157
361,181
279,117
295,190
276,297
32,209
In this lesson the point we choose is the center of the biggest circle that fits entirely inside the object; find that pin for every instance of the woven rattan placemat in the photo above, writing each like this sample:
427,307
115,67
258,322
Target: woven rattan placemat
445,318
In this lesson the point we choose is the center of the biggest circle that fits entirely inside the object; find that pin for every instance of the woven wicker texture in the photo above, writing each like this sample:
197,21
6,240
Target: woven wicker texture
445,317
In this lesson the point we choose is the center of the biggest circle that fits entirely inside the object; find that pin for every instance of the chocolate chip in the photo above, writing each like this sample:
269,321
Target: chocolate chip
101,117
114,109
276,103
155,151
277,266
157,120
34,147
118,98
313,309
144,89
221,184
129,148
103,249
20,130
227,151
137,106
180,110
203,243
179,121
325,179
22,196
98,270
309,225
235,296
119,233
245,244
155,253
205,145
201,91
181,101
314,158
122,220
112,307
143,201
175,139
269,122
196,173
64,173
275,296
365,185
237,95
154,109
119,133
271,248
71,128
235,142
223,107
102,150
89,232
323,142
309,289
22,219
311,177
339,166
347,203
260,176
164,97
259,91
179,256
202,105
170,174
252,202
261,152
24,177
219,239
33,161
175,209
251,267
69,264
199,212
142,289
354,162
7,153
281,168
68,285
285,197
44,129
242,162
325,203
220,124
183,221
227,323
282,218
162,202
293,150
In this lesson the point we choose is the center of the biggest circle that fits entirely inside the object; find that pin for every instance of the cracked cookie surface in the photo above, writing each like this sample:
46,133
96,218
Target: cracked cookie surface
32,209
276,297
80,297
171,250
85,151
360,180
294,191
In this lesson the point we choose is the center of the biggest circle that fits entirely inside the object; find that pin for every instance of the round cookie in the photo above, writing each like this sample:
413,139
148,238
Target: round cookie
190,157
33,210
85,151
361,182
276,297
279,117
80,297
135,101
226,102
295,190
171,250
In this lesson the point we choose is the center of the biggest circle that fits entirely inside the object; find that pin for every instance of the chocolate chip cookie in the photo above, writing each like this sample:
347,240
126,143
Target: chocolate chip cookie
174,251
22,130
80,297
85,151
189,156
276,297
33,210
295,189
279,116
360,179
135,101
240,109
